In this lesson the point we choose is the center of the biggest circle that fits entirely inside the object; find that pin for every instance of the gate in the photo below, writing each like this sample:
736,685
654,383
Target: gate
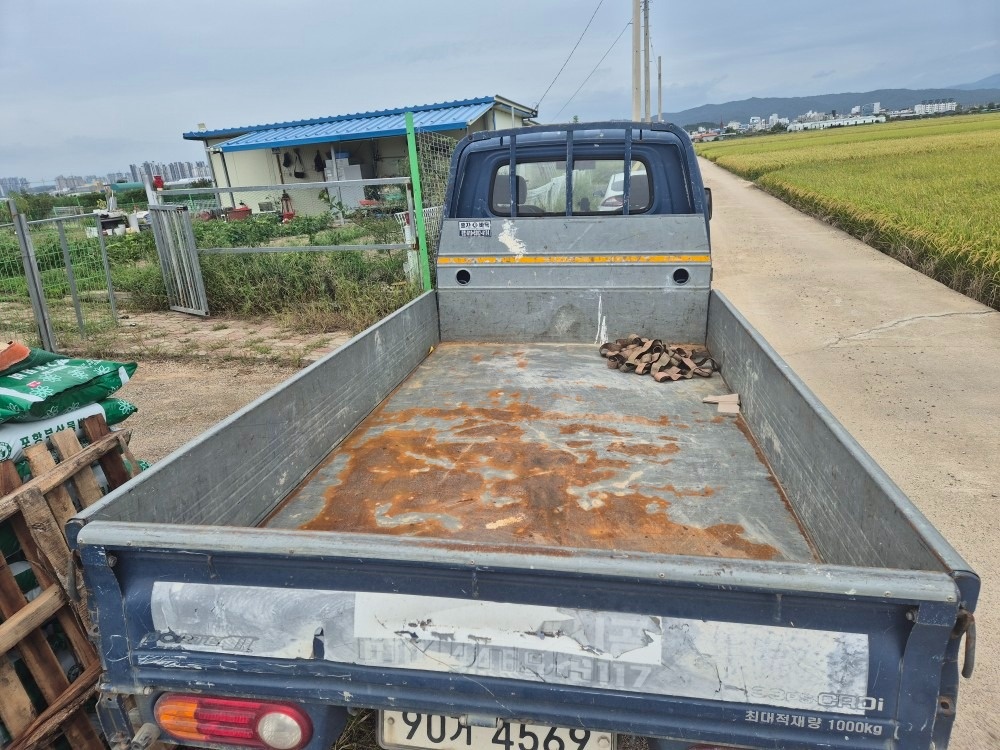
21,289
56,288
178,252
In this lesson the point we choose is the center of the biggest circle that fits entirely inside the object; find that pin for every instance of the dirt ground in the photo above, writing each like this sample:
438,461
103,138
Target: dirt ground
194,372
158,335
178,400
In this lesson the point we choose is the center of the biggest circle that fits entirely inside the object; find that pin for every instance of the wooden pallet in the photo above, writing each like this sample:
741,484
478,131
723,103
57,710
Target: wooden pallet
37,512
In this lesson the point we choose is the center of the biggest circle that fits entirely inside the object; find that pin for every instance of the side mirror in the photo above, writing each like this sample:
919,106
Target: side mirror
708,203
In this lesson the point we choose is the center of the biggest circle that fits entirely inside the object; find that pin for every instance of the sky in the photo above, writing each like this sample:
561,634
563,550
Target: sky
91,87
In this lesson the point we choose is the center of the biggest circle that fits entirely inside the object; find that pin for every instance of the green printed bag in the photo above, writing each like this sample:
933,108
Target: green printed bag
15,436
60,386
15,356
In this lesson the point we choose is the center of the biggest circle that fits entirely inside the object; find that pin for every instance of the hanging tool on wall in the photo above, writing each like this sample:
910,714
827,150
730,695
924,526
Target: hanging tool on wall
287,212
300,169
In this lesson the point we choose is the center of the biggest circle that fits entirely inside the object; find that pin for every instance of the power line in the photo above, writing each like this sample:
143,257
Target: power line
566,62
595,68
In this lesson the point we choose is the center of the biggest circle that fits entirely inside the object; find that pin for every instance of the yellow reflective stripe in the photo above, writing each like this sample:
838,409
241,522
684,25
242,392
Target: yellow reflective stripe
544,259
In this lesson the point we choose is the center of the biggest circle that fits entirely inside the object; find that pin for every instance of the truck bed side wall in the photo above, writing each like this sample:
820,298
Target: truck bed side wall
852,511
234,474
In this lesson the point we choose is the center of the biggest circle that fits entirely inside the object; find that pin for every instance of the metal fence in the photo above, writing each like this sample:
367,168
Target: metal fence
17,318
434,152
357,234
344,231
55,280
343,200
311,216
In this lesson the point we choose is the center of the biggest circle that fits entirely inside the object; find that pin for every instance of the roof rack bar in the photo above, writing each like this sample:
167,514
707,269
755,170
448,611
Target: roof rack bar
627,182
569,172
513,176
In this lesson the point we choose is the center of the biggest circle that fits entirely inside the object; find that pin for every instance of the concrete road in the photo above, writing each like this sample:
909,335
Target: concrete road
910,367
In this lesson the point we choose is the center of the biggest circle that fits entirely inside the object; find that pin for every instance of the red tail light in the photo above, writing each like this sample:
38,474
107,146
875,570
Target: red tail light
234,721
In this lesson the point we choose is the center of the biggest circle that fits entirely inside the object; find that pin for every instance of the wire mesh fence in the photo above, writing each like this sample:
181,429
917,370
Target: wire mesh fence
330,252
17,320
327,198
75,278
329,213
434,152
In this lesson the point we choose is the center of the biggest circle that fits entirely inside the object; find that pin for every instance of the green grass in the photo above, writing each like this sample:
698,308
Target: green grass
309,291
926,192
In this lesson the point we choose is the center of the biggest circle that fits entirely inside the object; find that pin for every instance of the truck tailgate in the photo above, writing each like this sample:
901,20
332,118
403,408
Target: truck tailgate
745,652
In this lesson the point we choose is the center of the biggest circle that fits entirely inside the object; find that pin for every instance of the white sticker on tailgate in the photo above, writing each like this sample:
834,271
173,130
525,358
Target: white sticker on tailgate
734,662
482,228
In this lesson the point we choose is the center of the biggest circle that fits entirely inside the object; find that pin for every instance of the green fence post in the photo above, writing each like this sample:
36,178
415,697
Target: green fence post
418,199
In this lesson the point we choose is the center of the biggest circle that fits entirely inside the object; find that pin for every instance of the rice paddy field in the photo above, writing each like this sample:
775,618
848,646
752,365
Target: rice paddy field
926,192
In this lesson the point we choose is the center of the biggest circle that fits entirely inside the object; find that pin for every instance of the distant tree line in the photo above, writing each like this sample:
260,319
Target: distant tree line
39,205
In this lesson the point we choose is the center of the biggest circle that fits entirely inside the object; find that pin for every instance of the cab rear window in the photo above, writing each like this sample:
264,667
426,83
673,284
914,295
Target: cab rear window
598,187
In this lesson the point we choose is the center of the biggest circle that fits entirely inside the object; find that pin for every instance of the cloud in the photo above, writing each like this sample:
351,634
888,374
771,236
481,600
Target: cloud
88,95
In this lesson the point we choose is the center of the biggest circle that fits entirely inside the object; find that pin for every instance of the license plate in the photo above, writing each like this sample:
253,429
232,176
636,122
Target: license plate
402,730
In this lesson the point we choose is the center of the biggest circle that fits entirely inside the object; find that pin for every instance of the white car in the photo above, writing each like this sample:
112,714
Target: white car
612,200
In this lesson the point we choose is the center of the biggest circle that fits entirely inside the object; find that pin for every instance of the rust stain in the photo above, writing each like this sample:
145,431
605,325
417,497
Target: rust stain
648,524
481,475
703,492
477,358
642,449
593,429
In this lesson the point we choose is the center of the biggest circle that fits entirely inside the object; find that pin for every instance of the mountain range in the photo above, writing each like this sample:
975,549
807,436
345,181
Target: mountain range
979,92
990,82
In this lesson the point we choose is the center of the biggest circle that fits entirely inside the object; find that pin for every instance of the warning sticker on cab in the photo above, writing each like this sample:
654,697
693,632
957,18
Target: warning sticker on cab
474,229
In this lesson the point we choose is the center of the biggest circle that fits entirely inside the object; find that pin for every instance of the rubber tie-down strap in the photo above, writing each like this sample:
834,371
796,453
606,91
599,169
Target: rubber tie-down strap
662,361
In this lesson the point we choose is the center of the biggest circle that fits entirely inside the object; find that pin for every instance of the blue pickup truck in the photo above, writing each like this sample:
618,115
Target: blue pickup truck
466,521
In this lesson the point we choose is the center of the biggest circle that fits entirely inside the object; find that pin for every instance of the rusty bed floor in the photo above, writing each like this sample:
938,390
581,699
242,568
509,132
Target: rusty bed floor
543,445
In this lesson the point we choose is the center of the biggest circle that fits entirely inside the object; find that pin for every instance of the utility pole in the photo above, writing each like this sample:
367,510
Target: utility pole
645,48
636,69
659,86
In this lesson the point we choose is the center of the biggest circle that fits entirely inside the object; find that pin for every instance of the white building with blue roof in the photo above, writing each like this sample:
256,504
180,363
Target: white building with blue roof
363,145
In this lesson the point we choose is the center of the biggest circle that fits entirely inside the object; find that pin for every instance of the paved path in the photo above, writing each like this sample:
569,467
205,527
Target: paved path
910,367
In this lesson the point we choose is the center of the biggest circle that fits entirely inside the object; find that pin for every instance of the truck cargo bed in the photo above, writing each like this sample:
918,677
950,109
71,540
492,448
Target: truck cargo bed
543,445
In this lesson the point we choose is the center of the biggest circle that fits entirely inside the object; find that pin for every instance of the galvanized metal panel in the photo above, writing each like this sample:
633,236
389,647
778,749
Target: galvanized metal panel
178,254
235,473
543,445
852,510
573,315
576,279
